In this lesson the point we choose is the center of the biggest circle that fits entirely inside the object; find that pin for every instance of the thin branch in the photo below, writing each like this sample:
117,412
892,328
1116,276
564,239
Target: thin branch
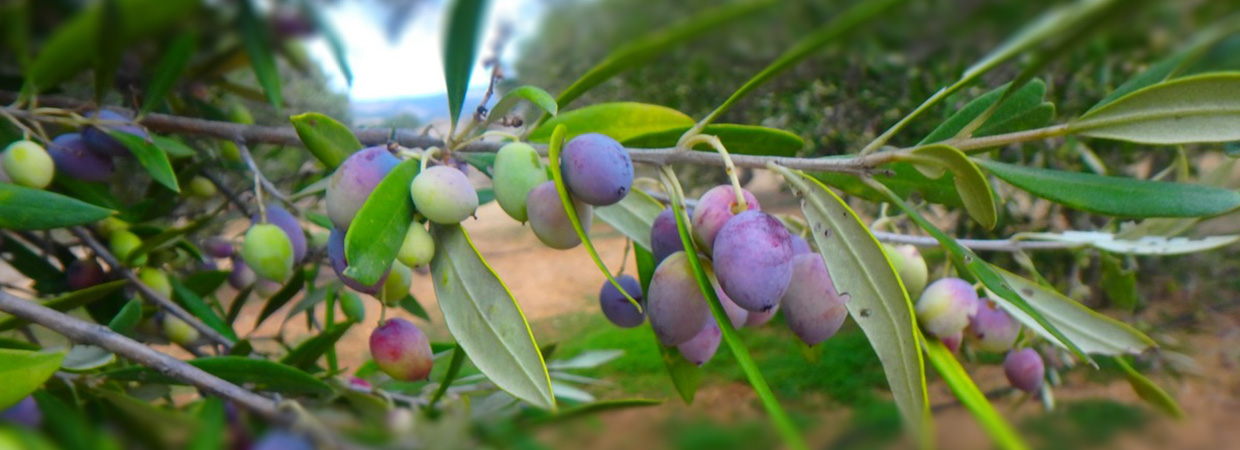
267,184
83,332
155,297
227,191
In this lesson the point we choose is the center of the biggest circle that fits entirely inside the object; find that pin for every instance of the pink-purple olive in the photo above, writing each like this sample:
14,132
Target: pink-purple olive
353,182
26,413
444,195
753,259
736,315
83,273
217,247
992,328
675,304
241,275
550,221
1024,369
335,254
713,210
98,139
74,159
664,236
946,306
616,307
703,346
757,319
280,217
813,308
597,169
799,245
401,350
283,440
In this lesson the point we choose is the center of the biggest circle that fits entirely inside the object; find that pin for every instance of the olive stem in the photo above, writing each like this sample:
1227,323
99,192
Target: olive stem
728,167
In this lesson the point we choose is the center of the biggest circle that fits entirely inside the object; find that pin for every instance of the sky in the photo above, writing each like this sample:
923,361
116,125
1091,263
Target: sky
412,65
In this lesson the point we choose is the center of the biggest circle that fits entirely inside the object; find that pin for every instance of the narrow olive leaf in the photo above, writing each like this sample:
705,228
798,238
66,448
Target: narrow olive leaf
1117,196
210,433
328,140
1119,283
234,309
685,375
1094,333
379,228
1149,391
63,55
620,120
1024,99
256,39
23,208
553,152
877,299
21,372
199,308
1182,111
846,21
86,358
971,184
152,158
305,355
264,375
638,51
172,234
334,41
206,282
591,409
964,258
67,423
169,69
904,180
281,297
307,302
460,48
127,319
739,140
410,304
1036,117
486,320
1144,245
958,380
66,302
174,148
783,424
454,368
533,94
633,216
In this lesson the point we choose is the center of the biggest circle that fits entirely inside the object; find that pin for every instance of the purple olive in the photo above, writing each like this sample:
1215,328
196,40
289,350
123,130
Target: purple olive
73,158
283,440
713,210
616,307
550,221
813,308
280,217
597,169
26,413
98,139
217,247
401,350
664,236
1024,369
757,319
992,328
353,182
241,275
799,245
702,347
946,306
753,259
84,273
335,253
675,304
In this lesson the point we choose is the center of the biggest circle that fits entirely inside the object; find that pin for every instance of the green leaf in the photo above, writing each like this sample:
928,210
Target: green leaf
67,424
1119,283
152,158
557,142
256,39
85,358
172,234
286,293
966,260
1117,196
486,320
169,69
328,140
533,94
307,303
1094,333
1150,392
904,181
783,424
633,215
685,375
593,408
1182,111
206,282
620,120
877,299
971,184
66,53
1036,117
739,140
410,304
174,148
334,41
21,372
971,397
641,50
1023,100
846,21
23,208
211,432
263,374
305,355
1144,245
127,319
376,234
75,299
199,308
454,368
460,49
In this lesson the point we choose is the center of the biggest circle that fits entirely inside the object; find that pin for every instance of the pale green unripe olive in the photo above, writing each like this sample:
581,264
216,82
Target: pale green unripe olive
123,243
268,252
518,170
397,285
418,248
444,195
28,164
352,306
178,331
157,280
201,187
910,266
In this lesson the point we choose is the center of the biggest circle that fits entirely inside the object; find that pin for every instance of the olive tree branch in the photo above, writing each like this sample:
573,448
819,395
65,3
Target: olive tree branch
155,297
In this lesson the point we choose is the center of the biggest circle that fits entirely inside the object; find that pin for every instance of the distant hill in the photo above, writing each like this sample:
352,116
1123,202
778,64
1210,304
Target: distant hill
427,108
